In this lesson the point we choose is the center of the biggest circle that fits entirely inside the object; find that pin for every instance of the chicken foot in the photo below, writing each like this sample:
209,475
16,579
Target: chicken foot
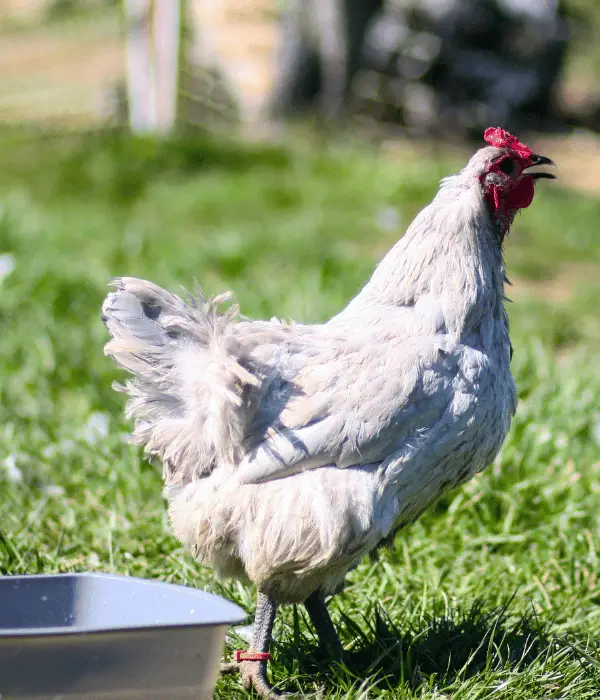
254,672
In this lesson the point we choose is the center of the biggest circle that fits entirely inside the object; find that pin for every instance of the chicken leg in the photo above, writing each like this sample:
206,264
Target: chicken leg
254,671
329,641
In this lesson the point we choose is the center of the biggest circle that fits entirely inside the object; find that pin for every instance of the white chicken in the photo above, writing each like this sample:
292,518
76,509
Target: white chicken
289,451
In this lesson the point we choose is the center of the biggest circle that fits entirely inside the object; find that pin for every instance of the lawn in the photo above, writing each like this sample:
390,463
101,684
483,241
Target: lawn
494,593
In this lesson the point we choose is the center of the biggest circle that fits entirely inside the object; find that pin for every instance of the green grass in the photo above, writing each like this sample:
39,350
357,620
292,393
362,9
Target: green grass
494,592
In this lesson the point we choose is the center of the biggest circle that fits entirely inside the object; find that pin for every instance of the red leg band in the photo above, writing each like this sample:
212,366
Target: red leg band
251,656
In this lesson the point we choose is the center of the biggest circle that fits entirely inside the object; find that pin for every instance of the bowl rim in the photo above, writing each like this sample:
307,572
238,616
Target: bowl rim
229,613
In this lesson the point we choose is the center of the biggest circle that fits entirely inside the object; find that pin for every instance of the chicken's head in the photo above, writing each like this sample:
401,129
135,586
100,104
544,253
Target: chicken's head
505,178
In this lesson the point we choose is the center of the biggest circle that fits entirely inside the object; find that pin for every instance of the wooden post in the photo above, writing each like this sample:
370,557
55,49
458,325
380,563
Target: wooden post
152,51
140,70
167,32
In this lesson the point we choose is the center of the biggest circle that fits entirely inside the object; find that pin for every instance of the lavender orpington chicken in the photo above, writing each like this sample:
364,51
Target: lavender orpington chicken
290,450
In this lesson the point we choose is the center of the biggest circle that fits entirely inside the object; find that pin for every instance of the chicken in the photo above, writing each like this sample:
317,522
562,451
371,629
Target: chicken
290,451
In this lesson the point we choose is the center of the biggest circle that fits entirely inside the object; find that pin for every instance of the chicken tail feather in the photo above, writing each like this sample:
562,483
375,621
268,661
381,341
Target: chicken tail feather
188,375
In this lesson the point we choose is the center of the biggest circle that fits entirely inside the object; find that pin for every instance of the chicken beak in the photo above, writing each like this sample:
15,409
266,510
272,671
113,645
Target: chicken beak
540,160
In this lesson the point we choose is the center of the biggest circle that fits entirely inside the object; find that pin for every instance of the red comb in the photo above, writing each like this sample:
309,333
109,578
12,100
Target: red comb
496,136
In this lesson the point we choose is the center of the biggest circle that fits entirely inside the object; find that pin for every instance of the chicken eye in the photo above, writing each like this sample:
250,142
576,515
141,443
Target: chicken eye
507,166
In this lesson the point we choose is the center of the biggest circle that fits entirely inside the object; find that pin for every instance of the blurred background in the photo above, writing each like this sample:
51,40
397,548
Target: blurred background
278,148
231,139
422,68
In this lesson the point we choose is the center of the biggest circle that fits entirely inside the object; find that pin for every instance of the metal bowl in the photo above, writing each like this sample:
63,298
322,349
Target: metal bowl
101,637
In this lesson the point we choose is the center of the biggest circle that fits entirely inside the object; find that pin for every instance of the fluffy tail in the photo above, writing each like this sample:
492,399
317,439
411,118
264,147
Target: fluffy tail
186,393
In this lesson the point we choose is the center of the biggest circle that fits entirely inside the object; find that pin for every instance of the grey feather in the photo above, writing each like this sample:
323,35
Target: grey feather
291,450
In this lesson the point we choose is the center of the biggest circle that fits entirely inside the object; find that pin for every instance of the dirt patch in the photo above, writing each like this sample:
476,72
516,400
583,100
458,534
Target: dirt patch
23,10
561,288
241,37
55,74
577,157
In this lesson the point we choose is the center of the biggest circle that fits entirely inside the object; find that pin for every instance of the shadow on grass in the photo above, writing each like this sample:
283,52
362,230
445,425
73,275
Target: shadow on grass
451,648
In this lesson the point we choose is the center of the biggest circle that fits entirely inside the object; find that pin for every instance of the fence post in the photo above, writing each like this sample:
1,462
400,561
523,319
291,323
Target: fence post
152,54
167,33
140,70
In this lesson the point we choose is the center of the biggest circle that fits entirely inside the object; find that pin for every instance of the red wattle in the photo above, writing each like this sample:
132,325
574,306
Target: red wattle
503,201
520,196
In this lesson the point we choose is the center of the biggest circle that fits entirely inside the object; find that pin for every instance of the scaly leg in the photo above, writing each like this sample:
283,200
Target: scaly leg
254,672
329,640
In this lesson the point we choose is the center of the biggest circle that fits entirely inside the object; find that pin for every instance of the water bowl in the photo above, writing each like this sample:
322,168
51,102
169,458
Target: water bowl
105,637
